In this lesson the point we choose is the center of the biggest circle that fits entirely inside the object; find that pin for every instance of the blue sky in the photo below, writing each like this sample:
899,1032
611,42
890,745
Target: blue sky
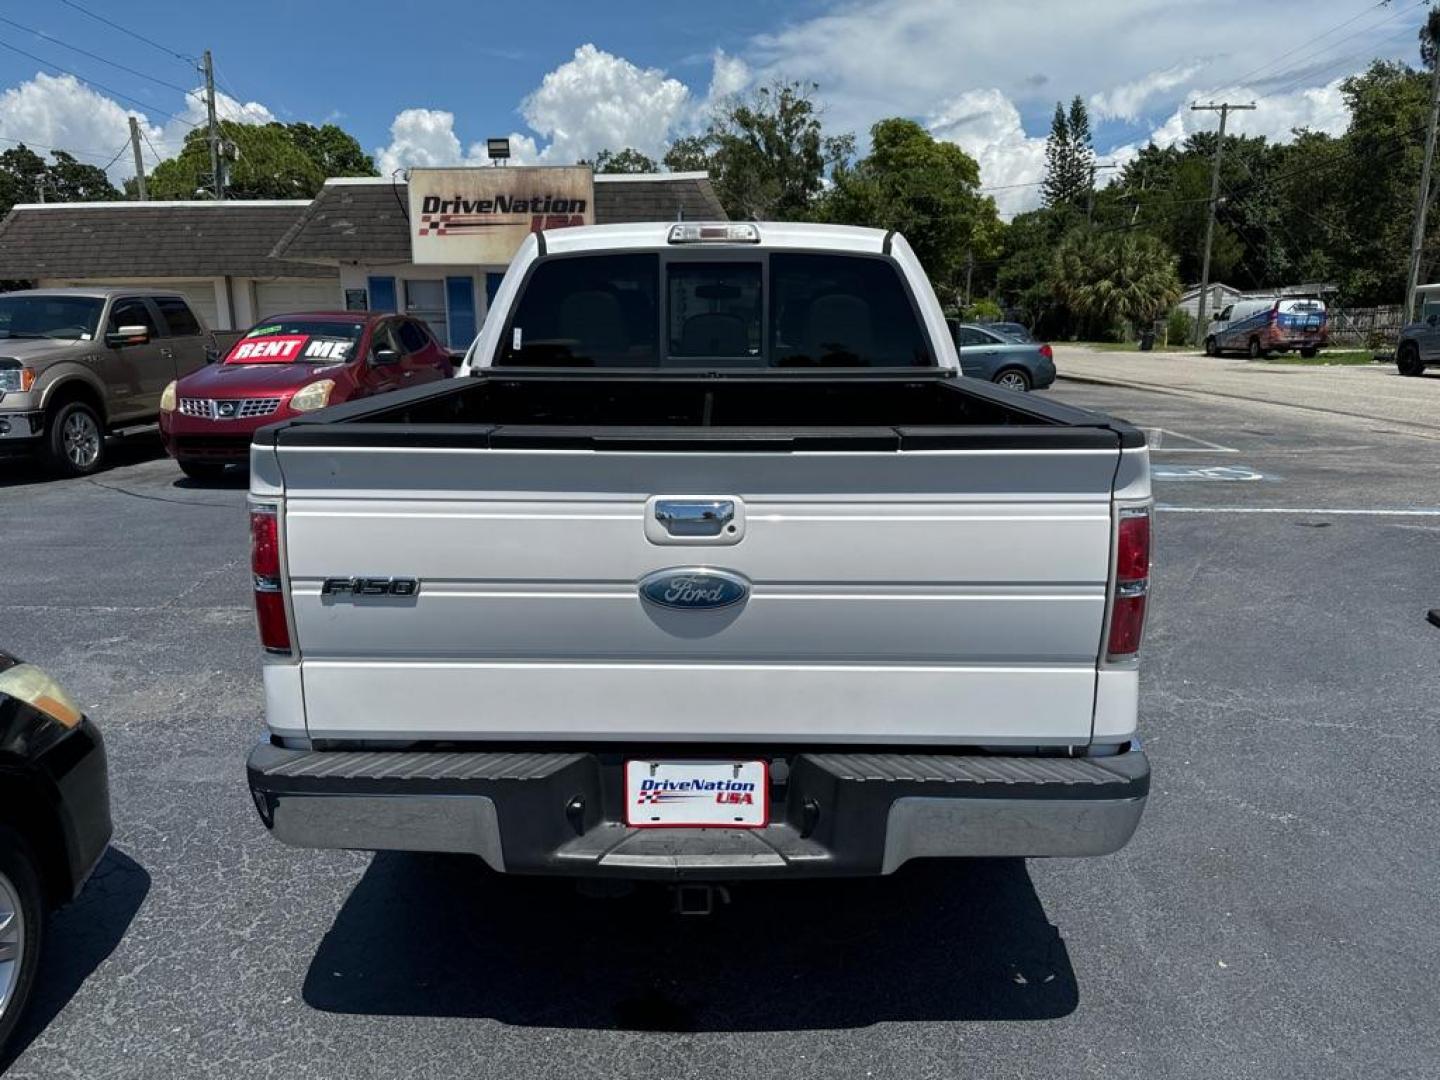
422,84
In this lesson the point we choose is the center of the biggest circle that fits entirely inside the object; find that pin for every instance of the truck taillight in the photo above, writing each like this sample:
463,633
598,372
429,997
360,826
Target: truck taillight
265,570
1132,583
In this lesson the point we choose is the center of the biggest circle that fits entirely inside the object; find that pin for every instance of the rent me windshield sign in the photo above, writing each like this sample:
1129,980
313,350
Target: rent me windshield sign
482,215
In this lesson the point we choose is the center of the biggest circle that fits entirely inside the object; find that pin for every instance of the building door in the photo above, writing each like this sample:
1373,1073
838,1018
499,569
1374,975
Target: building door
274,297
382,293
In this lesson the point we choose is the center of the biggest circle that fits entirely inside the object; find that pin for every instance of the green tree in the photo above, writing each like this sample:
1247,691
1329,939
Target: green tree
23,173
767,153
691,153
333,149
1123,277
1069,157
1023,276
270,161
926,189
628,160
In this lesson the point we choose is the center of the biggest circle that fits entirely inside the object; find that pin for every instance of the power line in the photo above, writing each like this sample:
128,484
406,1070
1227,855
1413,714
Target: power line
98,85
93,56
1308,74
234,95
123,147
1240,79
53,149
125,30
158,159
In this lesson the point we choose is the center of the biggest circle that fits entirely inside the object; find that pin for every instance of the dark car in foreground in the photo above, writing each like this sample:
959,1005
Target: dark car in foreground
288,365
54,818
994,357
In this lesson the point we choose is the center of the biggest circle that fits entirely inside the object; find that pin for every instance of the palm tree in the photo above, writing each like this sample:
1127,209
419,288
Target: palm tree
1117,277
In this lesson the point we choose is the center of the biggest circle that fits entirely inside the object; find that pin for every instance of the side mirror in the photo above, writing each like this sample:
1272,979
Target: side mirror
1431,320
127,335
382,357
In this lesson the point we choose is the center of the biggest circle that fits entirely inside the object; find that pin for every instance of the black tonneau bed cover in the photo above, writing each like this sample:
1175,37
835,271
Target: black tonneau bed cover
649,409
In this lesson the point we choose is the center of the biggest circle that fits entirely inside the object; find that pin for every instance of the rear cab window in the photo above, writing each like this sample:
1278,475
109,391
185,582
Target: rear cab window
763,310
178,316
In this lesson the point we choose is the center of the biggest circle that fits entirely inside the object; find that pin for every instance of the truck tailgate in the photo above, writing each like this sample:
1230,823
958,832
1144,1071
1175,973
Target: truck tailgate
947,596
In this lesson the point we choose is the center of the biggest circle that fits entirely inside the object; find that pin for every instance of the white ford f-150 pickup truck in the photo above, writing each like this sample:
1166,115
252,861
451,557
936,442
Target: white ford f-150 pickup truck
710,566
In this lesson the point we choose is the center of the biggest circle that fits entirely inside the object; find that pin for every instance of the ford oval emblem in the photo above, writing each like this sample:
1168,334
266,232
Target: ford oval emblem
694,588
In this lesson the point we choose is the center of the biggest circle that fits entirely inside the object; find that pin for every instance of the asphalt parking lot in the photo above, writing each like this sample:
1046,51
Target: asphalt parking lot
1275,916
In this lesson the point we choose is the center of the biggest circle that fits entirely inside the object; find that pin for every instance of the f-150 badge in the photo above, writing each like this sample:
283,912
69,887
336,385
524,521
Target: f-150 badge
694,588
352,588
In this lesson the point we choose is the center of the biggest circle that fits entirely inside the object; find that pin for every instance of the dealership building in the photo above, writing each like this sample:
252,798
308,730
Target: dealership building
435,247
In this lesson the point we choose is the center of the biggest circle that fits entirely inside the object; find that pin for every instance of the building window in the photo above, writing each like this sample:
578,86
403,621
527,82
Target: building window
382,294
426,300
460,307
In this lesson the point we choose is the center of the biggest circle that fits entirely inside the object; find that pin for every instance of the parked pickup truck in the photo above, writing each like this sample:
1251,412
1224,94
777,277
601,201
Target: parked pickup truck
78,363
711,566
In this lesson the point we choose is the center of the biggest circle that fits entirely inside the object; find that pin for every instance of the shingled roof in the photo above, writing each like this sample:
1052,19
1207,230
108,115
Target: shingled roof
152,239
365,220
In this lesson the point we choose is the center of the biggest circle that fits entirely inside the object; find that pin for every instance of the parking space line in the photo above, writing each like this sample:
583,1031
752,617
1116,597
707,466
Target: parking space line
1155,437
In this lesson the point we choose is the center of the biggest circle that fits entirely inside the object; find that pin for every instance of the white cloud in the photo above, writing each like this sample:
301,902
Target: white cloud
423,137
1125,101
986,125
62,111
729,76
878,58
594,101
1318,108
597,101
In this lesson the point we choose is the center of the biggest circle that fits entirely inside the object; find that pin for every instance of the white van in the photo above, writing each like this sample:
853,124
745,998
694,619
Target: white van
1270,324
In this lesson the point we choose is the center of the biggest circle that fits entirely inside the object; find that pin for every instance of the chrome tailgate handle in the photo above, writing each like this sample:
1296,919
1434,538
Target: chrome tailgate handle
696,520
694,517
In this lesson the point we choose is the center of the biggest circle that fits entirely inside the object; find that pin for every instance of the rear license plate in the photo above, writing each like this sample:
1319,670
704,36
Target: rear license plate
697,794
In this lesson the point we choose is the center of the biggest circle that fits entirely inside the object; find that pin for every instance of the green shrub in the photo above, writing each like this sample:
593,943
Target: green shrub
1179,327
983,310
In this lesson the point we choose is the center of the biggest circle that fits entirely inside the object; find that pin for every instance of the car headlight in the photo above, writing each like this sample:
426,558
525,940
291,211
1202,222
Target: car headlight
16,379
312,397
27,683
167,397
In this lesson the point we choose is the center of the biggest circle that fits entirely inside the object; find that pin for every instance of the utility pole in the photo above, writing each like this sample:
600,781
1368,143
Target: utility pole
1224,109
1135,213
208,67
40,188
969,270
139,161
1422,199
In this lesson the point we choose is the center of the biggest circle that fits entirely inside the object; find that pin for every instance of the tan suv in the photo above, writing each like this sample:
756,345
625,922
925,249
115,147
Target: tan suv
76,364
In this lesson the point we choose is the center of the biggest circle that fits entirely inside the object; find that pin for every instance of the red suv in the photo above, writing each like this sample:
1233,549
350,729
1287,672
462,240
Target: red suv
286,365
